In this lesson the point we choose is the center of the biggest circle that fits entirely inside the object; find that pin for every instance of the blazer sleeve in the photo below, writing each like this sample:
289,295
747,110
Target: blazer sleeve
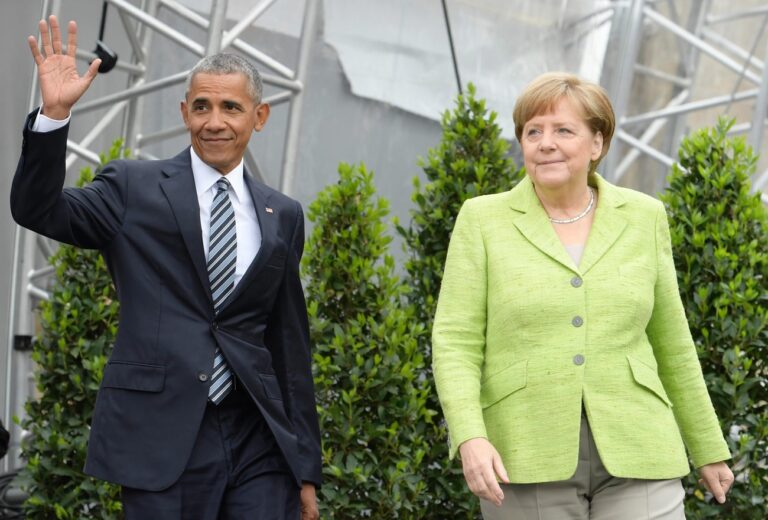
679,367
458,333
287,336
86,217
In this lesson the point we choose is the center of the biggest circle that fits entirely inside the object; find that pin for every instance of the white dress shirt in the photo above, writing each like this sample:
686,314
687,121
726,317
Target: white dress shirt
246,221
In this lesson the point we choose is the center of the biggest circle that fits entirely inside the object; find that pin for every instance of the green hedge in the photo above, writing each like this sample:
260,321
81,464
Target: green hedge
372,396
472,159
79,324
720,243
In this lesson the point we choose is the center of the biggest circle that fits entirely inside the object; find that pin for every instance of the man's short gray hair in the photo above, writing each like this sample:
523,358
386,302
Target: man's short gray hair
223,63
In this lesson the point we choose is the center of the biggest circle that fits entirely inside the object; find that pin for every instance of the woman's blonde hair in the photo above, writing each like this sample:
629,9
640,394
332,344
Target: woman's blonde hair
542,94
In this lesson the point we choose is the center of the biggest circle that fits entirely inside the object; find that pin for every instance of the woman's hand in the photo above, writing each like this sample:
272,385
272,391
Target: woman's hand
717,478
482,465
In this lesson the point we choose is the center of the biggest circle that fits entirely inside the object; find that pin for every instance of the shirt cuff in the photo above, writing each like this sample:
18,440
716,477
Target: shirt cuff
44,123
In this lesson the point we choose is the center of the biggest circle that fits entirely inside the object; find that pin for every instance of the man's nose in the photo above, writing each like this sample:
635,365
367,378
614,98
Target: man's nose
215,120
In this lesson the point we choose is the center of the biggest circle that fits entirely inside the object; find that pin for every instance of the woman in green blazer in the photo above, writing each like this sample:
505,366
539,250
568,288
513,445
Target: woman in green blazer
562,355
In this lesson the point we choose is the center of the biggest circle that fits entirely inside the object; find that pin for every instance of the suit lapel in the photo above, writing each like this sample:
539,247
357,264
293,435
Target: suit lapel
268,226
179,189
607,227
534,224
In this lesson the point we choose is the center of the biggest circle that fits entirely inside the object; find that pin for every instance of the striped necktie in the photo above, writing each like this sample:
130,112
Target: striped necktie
222,257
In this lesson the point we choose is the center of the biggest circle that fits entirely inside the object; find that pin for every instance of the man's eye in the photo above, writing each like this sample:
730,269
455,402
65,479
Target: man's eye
198,108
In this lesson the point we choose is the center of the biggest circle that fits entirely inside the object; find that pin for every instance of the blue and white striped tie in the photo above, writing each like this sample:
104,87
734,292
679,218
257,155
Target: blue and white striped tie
222,257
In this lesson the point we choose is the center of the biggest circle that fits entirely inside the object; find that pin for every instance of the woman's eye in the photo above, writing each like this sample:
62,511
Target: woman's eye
564,131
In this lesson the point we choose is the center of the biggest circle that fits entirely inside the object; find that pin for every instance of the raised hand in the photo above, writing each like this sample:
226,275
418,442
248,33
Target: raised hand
60,84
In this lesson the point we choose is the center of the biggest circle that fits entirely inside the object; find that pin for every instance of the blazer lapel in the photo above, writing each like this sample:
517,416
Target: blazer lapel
268,225
534,224
179,189
607,227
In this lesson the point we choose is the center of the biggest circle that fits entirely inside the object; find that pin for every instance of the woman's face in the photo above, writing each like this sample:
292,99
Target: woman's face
558,146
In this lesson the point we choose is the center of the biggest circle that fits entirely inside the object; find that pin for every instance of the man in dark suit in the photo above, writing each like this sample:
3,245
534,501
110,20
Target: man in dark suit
206,409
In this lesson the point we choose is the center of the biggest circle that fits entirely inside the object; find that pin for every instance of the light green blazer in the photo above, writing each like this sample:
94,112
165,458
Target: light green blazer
522,337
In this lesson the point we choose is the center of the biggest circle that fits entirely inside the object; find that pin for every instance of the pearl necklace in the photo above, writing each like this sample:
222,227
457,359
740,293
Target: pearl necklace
580,215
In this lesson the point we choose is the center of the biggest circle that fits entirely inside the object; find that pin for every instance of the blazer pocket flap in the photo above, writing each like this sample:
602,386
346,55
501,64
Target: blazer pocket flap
648,378
134,376
501,384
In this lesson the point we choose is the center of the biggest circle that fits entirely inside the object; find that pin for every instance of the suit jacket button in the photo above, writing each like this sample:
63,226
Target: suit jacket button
577,321
215,326
576,281
578,360
202,377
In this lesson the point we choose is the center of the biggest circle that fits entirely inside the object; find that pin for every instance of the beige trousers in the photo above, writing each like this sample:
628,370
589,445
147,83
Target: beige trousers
591,494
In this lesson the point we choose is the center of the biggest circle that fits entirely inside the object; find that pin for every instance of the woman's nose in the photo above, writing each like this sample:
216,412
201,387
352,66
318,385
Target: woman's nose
547,141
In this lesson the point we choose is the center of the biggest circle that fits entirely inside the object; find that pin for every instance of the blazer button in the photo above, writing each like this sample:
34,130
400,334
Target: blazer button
576,281
202,377
215,325
578,360
577,321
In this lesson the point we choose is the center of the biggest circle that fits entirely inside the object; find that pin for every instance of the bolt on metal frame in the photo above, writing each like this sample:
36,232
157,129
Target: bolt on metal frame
142,24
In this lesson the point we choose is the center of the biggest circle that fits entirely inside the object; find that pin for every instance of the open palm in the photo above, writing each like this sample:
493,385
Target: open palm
60,84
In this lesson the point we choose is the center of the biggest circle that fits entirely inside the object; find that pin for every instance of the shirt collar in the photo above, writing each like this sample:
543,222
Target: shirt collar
206,176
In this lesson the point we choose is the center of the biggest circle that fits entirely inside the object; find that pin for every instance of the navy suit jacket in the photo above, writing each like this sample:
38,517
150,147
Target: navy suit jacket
144,218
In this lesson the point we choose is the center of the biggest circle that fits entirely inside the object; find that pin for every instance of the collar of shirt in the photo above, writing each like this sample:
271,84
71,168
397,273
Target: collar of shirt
206,177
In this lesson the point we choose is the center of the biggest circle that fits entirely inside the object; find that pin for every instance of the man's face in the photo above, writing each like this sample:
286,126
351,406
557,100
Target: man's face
221,115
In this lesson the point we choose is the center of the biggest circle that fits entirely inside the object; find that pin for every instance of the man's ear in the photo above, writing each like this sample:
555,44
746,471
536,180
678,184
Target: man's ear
262,114
184,114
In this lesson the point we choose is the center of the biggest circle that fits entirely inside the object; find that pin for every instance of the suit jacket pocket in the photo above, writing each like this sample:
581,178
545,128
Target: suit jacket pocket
648,378
504,383
134,376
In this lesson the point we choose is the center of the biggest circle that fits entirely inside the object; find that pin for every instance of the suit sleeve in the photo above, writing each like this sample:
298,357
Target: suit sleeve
86,217
287,335
458,333
679,367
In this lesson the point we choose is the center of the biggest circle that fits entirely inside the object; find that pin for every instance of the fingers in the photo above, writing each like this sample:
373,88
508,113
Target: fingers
45,37
71,39
481,480
714,487
93,70
32,41
726,484
56,34
717,478
498,468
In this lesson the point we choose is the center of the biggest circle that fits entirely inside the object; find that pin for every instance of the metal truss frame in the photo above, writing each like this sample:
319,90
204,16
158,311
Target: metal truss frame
695,36
142,23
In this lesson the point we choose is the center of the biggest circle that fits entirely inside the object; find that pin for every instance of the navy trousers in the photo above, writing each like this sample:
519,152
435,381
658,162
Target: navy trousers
236,472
